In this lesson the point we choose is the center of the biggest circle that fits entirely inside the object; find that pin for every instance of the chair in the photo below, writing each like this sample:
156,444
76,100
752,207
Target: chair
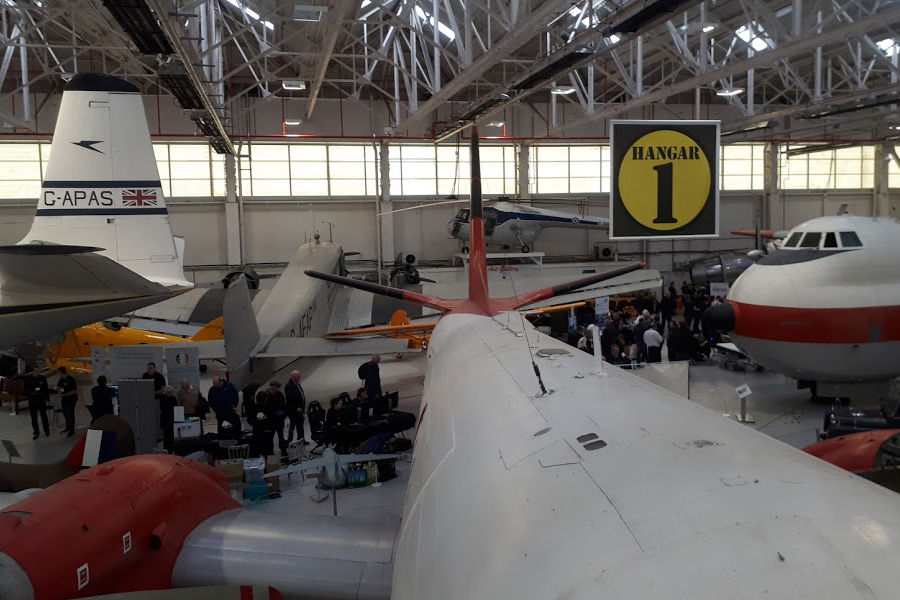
239,451
316,416
14,391
380,406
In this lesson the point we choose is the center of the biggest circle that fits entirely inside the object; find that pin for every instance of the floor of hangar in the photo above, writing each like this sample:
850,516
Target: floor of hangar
778,407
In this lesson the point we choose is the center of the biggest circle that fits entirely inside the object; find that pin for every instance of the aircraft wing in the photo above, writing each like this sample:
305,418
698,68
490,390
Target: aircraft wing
643,279
613,487
47,289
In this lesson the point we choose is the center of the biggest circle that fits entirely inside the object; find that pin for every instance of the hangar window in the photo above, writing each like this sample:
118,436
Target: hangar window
811,240
22,166
849,239
830,240
793,240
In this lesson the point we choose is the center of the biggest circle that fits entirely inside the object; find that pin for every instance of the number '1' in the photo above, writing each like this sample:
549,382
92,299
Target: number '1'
664,194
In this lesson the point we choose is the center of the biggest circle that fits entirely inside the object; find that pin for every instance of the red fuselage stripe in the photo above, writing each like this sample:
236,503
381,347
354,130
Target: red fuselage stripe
860,325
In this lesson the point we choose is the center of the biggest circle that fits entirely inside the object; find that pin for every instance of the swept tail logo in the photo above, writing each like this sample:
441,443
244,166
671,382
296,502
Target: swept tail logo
89,144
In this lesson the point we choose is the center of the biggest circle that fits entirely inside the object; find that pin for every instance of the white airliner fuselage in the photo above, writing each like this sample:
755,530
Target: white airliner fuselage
824,307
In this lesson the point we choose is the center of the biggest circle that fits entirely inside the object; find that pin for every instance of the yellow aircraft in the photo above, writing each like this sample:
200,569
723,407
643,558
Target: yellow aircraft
75,350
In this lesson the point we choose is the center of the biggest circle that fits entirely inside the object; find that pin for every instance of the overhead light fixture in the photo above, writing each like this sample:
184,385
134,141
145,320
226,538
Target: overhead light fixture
293,84
708,28
496,124
292,121
730,92
562,90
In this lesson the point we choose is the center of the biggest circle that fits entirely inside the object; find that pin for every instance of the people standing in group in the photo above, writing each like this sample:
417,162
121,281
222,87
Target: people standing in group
641,325
68,393
295,406
38,392
586,341
369,373
159,382
653,344
223,399
274,408
101,399
190,398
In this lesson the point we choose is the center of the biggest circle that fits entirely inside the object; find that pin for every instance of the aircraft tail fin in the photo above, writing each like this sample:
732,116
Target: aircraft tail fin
478,282
101,186
240,328
214,330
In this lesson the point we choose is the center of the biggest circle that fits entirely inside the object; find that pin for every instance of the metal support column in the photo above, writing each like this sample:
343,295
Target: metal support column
384,231
233,232
523,152
881,199
772,214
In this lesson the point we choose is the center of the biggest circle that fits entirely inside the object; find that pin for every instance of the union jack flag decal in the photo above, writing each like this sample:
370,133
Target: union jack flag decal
139,197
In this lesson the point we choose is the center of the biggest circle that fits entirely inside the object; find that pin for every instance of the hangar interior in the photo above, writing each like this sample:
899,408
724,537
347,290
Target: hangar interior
804,92
279,124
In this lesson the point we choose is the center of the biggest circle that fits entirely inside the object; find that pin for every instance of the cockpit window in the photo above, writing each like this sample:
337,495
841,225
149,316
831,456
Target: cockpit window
463,215
793,240
811,239
849,239
830,240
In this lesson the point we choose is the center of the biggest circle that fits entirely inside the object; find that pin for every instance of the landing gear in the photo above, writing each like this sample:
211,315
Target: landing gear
465,249
526,248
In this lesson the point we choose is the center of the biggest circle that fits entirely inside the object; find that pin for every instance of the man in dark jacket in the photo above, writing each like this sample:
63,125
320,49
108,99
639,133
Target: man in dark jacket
223,399
38,394
295,406
159,381
68,392
275,412
369,373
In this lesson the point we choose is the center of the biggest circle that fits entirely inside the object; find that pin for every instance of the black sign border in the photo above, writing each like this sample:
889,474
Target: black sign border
696,229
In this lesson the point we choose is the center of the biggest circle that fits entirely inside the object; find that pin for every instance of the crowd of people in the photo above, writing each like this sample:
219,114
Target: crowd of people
674,321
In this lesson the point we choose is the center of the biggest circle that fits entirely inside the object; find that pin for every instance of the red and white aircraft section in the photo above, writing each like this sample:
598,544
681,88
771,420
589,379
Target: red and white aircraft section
825,307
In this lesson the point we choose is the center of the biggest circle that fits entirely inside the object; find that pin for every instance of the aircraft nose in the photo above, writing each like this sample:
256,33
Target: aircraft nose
720,317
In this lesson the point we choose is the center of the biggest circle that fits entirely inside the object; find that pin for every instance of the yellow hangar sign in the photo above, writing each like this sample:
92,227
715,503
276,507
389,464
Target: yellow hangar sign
664,179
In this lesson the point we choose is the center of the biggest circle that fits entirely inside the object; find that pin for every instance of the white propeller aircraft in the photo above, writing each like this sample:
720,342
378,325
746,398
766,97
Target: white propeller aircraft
511,224
538,473
100,244
824,307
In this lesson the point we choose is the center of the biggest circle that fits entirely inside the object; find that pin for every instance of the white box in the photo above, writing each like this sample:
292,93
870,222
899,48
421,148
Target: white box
187,429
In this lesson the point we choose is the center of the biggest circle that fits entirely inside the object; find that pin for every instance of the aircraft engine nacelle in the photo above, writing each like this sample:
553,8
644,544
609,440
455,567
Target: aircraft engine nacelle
723,267
250,274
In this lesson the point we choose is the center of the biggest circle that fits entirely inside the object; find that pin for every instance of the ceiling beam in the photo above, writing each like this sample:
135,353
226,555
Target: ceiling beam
189,60
340,11
766,58
505,46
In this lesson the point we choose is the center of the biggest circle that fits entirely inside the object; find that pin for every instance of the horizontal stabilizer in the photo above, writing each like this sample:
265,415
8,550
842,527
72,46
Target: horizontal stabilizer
47,249
565,288
384,290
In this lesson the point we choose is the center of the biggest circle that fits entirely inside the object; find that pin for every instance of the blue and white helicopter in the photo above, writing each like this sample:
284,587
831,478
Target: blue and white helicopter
511,225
